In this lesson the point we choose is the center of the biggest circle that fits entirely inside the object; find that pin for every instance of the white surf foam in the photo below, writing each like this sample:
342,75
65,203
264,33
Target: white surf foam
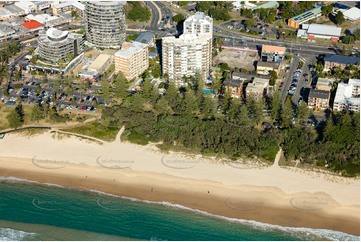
7,234
300,232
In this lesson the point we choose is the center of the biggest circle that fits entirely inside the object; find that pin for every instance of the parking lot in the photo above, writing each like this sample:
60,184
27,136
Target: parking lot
33,93
258,29
237,58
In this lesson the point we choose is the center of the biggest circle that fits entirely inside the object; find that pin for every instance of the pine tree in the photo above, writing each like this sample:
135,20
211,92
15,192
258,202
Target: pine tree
302,112
36,113
287,114
276,105
191,106
14,119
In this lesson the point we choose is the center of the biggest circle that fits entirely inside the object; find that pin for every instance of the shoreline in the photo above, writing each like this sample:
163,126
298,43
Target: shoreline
271,195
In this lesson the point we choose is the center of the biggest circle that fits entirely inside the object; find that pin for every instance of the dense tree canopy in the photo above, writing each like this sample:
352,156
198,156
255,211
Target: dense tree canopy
138,12
188,119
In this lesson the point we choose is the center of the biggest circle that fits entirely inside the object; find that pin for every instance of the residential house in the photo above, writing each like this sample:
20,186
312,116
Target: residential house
347,96
331,61
318,100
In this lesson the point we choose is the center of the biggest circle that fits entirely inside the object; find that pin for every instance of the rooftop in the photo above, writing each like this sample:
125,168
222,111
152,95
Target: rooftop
268,64
76,4
352,13
54,37
31,24
324,84
347,60
319,94
56,34
272,48
269,4
199,17
145,37
99,62
354,82
129,49
257,85
307,14
324,29
344,94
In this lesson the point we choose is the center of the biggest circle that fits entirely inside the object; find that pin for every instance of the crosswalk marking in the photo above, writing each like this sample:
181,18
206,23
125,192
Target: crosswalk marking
303,60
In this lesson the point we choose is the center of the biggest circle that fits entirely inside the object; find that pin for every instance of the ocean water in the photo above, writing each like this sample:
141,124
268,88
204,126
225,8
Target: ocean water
32,211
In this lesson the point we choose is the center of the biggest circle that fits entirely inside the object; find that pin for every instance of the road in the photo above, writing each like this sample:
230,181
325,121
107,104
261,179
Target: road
156,16
304,48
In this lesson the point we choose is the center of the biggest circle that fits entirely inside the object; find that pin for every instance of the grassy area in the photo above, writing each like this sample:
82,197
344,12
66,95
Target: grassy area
131,22
96,130
4,111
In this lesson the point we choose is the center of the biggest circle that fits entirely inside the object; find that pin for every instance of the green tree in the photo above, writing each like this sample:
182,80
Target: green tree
339,18
15,118
105,87
191,106
146,88
162,107
273,78
287,114
302,112
326,10
120,84
37,113
179,17
207,106
217,83
247,13
172,94
244,118
276,105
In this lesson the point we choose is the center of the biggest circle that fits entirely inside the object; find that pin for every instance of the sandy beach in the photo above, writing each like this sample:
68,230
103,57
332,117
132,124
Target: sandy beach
275,195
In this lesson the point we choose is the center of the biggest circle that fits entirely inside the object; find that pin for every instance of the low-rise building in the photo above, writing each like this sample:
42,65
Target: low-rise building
27,6
132,59
347,96
257,88
324,84
146,38
264,68
321,31
296,21
234,87
10,12
48,20
32,25
56,45
69,6
272,53
101,64
269,4
42,5
331,61
318,100
352,14
6,32
243,4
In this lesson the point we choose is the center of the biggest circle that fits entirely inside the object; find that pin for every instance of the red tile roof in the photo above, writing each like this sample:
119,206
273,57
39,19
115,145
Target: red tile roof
31,24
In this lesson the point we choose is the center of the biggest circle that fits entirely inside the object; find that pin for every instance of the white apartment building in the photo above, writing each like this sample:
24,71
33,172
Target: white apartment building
199,23
105,23
132,59
186,55
348,96
55,45
191,53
